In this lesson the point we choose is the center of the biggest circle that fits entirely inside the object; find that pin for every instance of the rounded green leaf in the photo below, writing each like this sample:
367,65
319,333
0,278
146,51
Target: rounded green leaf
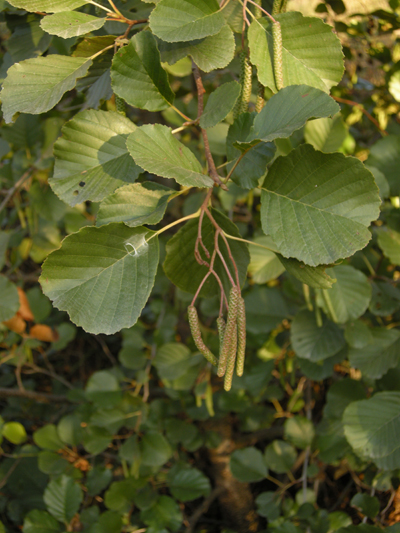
219,104
385,298
135,205
299,431
47,438
349,297
165,513
389,242
102,276
40,522
183,270
385,156
37,85
372,428
247,465
186,483
320,211
91,157
312,53
280,456
313,342
368,505
326,134
48,6
172,360
315,277
185,20
9,301
264,264
138,77
71,23
265,309
14,432
63,498
154,148
268,505
155,449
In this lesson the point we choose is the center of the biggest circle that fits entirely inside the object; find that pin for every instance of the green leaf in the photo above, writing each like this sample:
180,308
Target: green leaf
389,242
350,295
247,465
209,54
52,463
385,156
357,334
315,277
264,264
184,271
265,309
385,298
326,134
71,23
288,111
36,85
40,522
9,301
380,354
91,157
280,456
47,438
319,370
253,164
164,514
28,40
268,505
172,360
219,104
155,449
63,498
135,205
138,77
185,20
312,342
312,53
155,149
4,240
121,494
368,505
186,483
299,431
102,276
321,210
48,6
372,427
14,432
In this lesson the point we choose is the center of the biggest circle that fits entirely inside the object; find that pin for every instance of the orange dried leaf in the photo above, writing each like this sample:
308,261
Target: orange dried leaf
41,332
24,310
16,324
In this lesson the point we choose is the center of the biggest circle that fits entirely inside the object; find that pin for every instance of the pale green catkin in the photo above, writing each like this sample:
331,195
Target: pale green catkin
230,367
258,12
221,325
229,330
120,105
196,334
260,98
278,53
246,71
276,8
241,350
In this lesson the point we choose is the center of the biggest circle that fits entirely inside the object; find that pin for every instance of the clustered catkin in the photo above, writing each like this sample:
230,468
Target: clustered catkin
278,54
232,337
245,82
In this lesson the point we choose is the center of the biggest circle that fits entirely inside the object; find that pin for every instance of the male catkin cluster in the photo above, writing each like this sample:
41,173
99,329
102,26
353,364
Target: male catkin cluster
232,338
278,54
245,82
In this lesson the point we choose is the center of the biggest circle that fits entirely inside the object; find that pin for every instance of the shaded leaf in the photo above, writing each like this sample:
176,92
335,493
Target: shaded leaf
312,53
47,437
9,301
155,449
389,242
247,465
280,456
135,205
219,104
265,309
91,157
36,85
111,269
187,483
385,298
315,277
138,77
368,505
372,427
264,264
71,23
48,6
164,514
37,521
299,431
385,156
63,497
155,149
326,134
185,20
321,210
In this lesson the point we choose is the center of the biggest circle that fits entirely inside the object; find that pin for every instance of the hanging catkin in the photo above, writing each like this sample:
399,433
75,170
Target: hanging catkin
278,53
196,334
230,330
260,97
230,367
245,82
221,325
257,12
276,8
241,349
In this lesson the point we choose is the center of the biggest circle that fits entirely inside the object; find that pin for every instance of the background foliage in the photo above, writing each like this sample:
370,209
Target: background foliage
101,138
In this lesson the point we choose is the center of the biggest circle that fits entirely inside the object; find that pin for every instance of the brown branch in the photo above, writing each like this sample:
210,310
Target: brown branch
363,110
31,395
203,508
200,108
15,187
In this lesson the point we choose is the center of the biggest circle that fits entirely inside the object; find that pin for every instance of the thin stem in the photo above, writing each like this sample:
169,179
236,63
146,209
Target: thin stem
100,6
115,8
101,51
363,110
194,215
247,242
262,10
245,19
15,187
180,113
200,108
232,170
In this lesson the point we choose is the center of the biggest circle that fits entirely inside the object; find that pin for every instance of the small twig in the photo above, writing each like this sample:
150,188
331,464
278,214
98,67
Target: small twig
31,395
363,110
10,471
15,187
106,349
307,454
261,9
203,508
53,375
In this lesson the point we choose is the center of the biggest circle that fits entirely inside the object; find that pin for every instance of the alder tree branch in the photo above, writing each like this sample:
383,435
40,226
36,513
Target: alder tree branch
363,110
31,395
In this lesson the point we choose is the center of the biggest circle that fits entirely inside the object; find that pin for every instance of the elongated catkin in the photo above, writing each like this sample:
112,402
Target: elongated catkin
241,350
230,330
196,334
278,55
230,367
